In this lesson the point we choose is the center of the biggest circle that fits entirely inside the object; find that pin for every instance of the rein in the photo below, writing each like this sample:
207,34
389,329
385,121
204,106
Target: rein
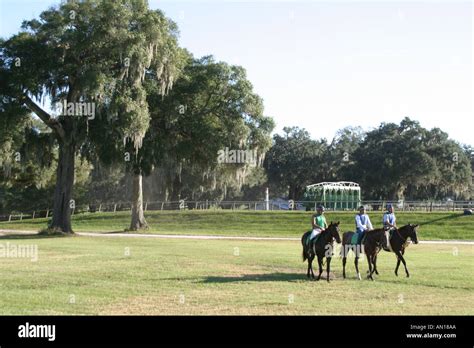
401,237
323,237
405,242
326,239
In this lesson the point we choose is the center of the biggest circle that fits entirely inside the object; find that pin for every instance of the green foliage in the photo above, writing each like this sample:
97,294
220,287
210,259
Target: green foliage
211,106
295,161
95,52
391,162
408,161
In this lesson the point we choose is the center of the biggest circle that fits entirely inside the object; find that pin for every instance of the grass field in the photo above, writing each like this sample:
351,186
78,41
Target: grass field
98,275
433,226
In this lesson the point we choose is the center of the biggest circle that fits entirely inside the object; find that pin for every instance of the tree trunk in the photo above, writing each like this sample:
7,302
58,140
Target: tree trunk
291,192
294,192
61,221
138,218
400,192
176,189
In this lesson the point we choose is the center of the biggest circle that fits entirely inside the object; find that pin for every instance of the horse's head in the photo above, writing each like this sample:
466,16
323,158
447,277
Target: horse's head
334,231
410,231
413,233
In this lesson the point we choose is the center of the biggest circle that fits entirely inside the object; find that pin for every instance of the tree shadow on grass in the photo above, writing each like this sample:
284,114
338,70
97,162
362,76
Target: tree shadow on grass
449,217
398,281
267,277
31,236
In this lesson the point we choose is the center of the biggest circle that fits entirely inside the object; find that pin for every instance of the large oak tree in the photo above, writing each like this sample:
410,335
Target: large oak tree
94,52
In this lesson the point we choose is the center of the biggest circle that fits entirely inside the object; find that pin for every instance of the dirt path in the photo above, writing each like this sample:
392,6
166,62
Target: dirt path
178,236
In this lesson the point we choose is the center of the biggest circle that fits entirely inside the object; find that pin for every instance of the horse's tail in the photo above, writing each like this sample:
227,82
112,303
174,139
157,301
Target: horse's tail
303,242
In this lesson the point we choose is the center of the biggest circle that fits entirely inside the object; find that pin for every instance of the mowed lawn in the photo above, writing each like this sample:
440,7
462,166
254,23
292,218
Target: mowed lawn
433,226
151,276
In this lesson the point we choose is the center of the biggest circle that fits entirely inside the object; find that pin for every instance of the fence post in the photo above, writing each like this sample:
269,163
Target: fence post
33,215
47,213
255,205
115,207
100,207
9,217
162,203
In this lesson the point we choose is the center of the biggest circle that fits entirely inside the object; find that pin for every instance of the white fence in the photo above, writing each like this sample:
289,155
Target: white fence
273,205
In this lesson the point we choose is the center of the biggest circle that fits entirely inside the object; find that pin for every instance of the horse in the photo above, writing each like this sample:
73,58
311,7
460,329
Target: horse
399,243
374,242
320,247
348,246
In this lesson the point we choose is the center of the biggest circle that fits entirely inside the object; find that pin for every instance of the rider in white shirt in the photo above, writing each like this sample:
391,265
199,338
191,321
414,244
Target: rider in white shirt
389,223
363,223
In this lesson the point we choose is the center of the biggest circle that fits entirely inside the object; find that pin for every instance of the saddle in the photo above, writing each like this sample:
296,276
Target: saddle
355,239
315,239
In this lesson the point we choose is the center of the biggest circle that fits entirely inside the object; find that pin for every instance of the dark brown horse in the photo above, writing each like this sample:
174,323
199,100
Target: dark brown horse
322,247
399,242
375,241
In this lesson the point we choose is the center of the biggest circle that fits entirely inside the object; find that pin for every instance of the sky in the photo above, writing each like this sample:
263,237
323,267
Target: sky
326,65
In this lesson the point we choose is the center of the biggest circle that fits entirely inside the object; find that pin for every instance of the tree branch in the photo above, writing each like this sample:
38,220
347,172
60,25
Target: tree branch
51,122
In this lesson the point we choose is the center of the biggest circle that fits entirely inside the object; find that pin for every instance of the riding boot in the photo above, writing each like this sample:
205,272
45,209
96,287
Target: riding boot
386,240
361,236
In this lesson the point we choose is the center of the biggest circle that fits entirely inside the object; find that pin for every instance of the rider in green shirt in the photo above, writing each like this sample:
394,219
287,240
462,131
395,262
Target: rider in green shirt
318,221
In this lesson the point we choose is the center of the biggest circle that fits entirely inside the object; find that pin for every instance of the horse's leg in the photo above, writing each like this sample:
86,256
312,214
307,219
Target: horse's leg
400,257
398,265
328,268
309,267
344,260
373,261
369,261
320,264
375,265
356,263
310,262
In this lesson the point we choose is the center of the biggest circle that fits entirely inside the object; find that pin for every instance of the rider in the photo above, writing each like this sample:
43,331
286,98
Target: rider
389,222
318,221
363,223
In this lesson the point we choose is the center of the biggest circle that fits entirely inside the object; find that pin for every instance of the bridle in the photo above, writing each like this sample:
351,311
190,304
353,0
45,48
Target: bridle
401,237
405,240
